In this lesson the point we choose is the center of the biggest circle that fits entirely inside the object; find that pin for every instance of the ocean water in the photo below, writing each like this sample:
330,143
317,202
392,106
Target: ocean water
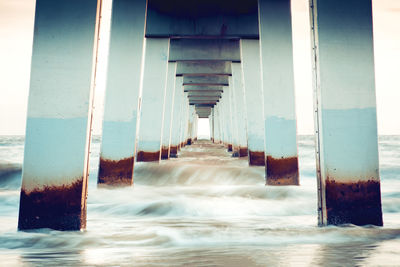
204,208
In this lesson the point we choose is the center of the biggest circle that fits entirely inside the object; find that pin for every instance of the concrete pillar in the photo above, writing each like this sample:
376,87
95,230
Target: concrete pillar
250,52
212,126
122,91
233,119
184,120
240,101
58,128
190,125
176,117
345,107
168,110
275,27
153,92
216,125
196,126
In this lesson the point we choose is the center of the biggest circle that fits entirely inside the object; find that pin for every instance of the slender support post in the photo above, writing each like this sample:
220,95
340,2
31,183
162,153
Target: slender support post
275,25
153,93
190,125
234,119
122,92
250,52
228,117
240,101
168,110
345,106
55,173
176,118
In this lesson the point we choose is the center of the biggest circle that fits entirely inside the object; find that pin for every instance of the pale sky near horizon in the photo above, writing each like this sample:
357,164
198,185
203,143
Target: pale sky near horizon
16,32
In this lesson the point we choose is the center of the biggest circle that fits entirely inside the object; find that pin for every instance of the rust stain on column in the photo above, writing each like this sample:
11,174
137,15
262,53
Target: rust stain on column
55,207
283,171
173,151
164,153
229,147
357,203
148,156
243,152
116,172
256,158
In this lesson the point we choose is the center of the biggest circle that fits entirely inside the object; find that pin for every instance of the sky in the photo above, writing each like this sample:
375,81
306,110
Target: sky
16,35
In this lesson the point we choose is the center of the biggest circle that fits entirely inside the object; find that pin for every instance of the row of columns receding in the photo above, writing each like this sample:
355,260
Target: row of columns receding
158,87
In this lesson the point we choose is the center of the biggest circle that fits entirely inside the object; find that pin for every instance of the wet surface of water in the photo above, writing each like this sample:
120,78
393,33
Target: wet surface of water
204,208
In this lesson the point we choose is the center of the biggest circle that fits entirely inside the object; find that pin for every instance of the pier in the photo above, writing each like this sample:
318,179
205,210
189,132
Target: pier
172,63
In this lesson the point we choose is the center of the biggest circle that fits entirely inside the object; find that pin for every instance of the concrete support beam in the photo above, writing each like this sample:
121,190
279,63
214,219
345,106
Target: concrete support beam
58,129
122,91
182,18
176,118
153,93
240,100
346,124
251,68
199,88
204,94
203,68
168,110
204,49
278,88
206,80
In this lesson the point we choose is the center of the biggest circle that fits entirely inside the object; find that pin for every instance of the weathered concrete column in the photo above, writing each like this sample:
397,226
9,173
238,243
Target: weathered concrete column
176,117
212,125
190,125
168,110
153,92
346,126
240,108
184,120
58,129
233,119
278,87
194,130
122,91
250,52
217,138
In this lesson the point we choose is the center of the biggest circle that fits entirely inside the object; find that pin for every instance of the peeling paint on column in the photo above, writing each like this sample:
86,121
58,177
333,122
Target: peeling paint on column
256,158
116,172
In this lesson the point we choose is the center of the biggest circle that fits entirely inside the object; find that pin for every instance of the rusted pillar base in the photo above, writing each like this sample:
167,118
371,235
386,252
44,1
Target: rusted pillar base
256,158
148,156
243,152
173,152
164,153
229,147
357,203
116,172
189,141
284,171
55,207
